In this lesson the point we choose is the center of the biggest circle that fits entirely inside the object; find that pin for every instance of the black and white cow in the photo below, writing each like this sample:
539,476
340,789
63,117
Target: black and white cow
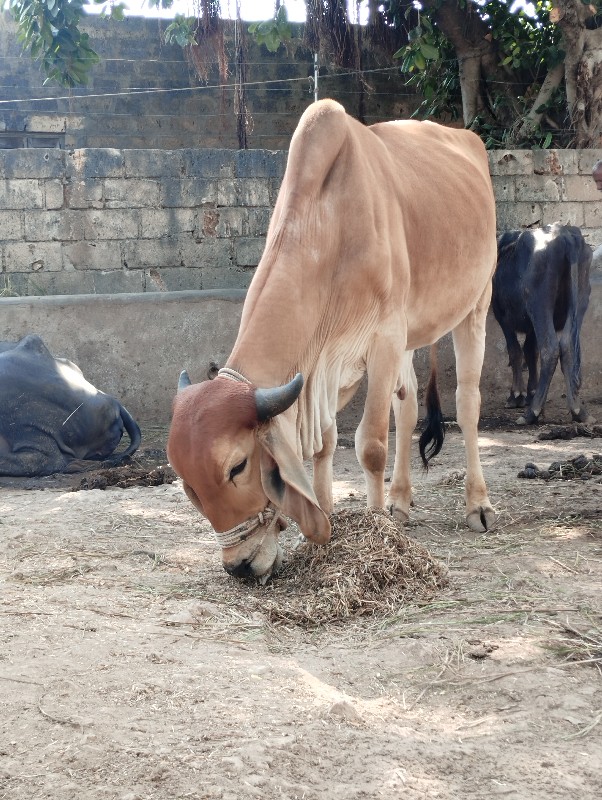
51,418
541,288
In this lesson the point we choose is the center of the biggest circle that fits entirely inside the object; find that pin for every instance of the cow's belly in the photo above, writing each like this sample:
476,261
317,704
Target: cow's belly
432,316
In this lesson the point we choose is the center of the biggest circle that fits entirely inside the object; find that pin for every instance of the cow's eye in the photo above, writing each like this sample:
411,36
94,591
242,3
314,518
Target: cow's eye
237,469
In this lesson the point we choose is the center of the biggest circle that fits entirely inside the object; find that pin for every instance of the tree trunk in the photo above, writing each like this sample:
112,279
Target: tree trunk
583,69
533,119
477,55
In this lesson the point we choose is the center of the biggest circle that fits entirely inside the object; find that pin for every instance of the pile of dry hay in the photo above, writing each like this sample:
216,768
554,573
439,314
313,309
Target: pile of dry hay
369,567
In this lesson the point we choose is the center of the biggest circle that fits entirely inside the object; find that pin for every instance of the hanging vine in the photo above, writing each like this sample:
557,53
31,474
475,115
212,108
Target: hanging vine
243,118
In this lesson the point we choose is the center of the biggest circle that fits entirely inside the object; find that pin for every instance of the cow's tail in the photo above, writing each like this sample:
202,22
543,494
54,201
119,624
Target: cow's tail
133,431
575,256
433,429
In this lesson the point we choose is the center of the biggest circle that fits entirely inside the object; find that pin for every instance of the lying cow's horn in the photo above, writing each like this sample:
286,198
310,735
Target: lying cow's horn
183,380
271,402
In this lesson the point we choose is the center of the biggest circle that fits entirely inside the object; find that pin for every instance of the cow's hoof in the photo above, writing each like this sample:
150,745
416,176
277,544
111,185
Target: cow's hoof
481,520
528,418
516,401
399,514
583,416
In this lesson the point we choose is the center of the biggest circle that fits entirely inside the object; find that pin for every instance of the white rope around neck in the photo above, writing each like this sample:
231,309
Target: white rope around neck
242,532
226,372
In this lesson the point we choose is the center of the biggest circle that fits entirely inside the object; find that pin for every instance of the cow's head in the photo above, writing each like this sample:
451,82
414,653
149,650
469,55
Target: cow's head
235,450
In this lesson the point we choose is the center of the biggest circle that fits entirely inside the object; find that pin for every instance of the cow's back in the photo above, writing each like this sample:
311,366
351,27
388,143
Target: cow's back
370,221
442,194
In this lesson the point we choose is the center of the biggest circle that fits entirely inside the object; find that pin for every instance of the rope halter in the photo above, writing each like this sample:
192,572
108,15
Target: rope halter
226,372
268,519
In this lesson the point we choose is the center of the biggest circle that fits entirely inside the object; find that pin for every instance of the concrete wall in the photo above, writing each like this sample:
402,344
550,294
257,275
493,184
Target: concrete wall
144,93
134,346
100,221
105,221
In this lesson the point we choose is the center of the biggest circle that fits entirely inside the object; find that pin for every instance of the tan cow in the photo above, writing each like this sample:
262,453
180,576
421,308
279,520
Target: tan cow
382,240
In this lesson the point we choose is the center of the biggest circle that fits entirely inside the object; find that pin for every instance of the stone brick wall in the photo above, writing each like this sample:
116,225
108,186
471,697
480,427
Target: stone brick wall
537,187
144,94
102,221
105,221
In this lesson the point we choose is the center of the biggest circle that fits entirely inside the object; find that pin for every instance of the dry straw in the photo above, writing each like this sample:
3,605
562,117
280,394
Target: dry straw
369,567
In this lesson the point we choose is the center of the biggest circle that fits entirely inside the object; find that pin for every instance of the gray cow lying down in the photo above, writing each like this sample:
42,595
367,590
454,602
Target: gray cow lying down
51,418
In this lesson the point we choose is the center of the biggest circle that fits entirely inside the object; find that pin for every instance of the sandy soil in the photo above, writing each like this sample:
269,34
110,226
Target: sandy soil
132,667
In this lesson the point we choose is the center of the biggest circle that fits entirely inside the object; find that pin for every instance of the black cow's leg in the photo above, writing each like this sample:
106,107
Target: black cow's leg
531,359
570,363
547,341
29,463
517,397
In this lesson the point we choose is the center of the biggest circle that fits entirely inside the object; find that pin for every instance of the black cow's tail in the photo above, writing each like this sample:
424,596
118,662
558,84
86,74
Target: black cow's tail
575,256
133,431
433,429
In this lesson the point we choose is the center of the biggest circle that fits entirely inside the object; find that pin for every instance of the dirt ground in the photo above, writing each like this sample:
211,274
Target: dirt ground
132,667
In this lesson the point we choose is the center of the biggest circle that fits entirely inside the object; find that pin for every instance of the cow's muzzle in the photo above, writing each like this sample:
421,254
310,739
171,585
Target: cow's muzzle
251,549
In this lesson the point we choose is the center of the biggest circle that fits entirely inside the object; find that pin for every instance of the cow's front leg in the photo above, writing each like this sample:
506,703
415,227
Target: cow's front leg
323,471
469,346
405,408
372,435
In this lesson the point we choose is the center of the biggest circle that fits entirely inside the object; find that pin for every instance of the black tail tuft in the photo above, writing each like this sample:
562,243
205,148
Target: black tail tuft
433,430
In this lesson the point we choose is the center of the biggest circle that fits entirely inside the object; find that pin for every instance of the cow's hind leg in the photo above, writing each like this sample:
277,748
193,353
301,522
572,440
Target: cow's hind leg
405,408
517,397
548,346
570,363
469,346
531,359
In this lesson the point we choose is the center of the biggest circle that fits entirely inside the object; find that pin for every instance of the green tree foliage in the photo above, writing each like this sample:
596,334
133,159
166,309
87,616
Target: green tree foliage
49,30
272,32
526,45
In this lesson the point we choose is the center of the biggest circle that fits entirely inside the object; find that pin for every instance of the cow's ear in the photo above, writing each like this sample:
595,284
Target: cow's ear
287,485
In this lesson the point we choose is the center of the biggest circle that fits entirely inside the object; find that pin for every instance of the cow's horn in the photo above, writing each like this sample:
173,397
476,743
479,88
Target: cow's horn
183,380
271,402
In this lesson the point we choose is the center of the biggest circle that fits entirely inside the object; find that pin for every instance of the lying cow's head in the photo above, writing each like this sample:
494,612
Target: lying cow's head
235,450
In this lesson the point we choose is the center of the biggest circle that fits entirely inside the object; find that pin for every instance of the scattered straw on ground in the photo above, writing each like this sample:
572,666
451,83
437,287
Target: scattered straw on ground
369,567
575,644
